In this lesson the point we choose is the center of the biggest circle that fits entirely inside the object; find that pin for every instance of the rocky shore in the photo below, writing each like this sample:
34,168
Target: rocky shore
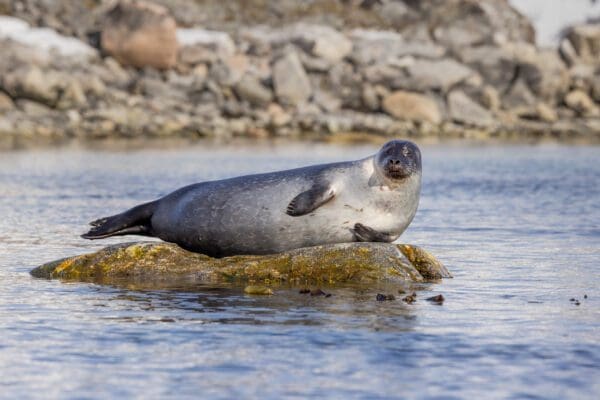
443,69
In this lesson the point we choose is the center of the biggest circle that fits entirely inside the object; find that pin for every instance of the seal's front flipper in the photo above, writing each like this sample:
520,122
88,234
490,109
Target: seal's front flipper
363,233
135,221
313,198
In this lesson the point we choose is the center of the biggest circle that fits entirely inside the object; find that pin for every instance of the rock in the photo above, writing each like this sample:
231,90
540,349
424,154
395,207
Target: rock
464,110
32,83
207,41
412,106
291,83
6,103
379,47
140,34
585,40
580,102
229,70
277,115
370,98
496,65
364,263
250,89
436,75
462,23
72,96
321,41
546,113
33,109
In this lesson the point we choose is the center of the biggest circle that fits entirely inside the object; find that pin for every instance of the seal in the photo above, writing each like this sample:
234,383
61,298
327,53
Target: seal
369,200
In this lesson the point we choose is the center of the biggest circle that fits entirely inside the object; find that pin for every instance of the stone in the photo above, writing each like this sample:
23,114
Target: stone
370,98
73,96
546,113
321,41
359,263
585,40
463,109
412,106
436,75
277,115
6,103
33,83
229,70
495,64
291,83
462,23
33,109
581,103
379,47
140,34
195,39
250,89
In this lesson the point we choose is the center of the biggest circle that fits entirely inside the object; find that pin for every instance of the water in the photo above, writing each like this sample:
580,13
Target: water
519,226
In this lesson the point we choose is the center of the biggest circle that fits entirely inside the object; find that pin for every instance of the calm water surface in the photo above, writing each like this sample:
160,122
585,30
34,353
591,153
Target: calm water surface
519,227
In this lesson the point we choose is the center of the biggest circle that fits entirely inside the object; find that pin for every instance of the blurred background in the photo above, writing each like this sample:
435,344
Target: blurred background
328,69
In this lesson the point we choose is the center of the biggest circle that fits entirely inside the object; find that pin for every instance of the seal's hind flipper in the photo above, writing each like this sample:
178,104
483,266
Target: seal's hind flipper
313,198
364,233
135,221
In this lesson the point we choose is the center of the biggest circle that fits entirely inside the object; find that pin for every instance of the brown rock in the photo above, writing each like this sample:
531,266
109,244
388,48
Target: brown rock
140,34
580,102
412,106
6,102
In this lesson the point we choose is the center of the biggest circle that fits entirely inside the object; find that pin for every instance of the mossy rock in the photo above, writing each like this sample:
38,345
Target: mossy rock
361,263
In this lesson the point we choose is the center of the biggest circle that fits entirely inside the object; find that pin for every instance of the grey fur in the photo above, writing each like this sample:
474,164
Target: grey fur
373,199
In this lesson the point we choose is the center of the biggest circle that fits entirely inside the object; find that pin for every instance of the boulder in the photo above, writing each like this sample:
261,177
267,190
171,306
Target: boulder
6,102
250,89
461,23
580,102
364,263
375,47
585,40
140,34
436,75
412,106
33,83
321,41
291,83
464,110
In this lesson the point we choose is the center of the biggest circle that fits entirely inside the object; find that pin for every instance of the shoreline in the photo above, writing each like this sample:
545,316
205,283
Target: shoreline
346,139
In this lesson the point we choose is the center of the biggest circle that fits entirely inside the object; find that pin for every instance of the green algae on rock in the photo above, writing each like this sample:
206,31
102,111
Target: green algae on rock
328,264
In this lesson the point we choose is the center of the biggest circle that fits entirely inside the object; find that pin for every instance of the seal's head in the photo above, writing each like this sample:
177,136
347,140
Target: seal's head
398,160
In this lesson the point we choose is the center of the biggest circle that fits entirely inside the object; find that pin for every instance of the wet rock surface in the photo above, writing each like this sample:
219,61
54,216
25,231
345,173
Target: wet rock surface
147,262
173,69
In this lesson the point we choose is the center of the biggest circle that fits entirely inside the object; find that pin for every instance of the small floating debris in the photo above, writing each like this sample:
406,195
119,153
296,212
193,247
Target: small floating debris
258,290
411,298
304,291
439,299
585,296
575,301
385,297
